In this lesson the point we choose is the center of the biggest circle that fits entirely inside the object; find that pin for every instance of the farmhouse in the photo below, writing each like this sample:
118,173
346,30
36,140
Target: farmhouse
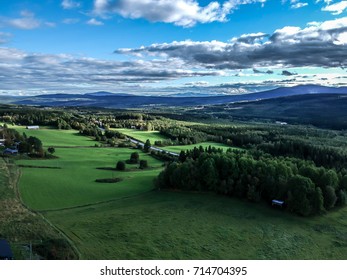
33,127
2,142
5,250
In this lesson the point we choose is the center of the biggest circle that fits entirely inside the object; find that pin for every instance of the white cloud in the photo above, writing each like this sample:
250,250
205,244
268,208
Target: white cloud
95,22
70,20
21,70
336,8
179,12
26,21
4,37
299,5
70,4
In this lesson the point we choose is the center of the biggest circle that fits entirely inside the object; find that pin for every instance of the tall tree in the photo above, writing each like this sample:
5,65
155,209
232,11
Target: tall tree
147,146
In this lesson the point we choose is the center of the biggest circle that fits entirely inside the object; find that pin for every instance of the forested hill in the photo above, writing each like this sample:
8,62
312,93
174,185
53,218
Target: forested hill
323,110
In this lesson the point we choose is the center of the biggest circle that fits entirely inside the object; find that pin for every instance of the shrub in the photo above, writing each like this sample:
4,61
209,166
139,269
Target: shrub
143,164
120,165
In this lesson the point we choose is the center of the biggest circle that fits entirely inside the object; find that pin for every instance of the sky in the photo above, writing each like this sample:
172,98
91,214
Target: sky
160,47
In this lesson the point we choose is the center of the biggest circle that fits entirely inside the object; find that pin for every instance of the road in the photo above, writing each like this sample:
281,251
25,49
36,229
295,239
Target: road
137,142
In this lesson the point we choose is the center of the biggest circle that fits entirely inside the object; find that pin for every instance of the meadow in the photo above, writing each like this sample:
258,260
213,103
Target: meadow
71,179
169,225
142,135
129,220
179,148
57,138
156,136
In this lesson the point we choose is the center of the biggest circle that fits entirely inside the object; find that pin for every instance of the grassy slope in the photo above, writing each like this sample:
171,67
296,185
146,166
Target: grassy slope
164,225
156,136
74,184
17,224
57,138
143,135
177,149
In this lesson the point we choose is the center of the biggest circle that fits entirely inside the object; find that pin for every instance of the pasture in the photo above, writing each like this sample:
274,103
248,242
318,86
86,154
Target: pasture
70,180
156,136
143,135
56,137
178,149
169,225
126,220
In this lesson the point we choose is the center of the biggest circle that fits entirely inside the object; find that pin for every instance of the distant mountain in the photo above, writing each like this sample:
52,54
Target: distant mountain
106,93
192,94
113,100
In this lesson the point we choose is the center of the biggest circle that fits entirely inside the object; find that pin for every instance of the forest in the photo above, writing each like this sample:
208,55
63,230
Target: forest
255,176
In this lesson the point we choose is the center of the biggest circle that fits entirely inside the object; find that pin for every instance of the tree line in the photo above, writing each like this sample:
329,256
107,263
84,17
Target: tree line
305,188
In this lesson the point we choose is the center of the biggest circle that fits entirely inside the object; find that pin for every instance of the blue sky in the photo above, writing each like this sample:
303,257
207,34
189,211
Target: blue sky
164,46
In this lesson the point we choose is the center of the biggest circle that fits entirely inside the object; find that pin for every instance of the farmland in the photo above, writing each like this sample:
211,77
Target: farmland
168,225
177,149
156,136
57,138
142,135
131,219
69,180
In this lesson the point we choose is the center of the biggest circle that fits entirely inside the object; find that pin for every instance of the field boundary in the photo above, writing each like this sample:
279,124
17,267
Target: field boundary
14,182
96,203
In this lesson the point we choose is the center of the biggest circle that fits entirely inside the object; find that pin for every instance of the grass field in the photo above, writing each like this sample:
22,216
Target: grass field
164,225
143,135
156,136
19,225
178,149
71,181
126,220
57,138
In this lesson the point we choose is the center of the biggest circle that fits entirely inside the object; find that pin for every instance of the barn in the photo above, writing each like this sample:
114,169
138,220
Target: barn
5,250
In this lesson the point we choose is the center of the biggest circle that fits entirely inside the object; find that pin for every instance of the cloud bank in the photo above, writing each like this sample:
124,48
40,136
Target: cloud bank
317,45
185,13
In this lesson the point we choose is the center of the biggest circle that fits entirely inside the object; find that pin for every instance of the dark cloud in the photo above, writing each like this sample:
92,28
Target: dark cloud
287,73
320,45
256,71
23,70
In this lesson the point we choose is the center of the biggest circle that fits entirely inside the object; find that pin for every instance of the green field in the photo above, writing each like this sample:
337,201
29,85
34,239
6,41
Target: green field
57,138
166,225
156,136
178,149
73,184
126,220
143,135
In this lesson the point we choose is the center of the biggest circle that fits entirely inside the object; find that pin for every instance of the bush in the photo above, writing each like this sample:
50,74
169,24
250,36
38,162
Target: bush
143,164
134,158
120,165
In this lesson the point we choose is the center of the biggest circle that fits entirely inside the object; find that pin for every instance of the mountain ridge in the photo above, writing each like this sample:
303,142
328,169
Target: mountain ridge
122,100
